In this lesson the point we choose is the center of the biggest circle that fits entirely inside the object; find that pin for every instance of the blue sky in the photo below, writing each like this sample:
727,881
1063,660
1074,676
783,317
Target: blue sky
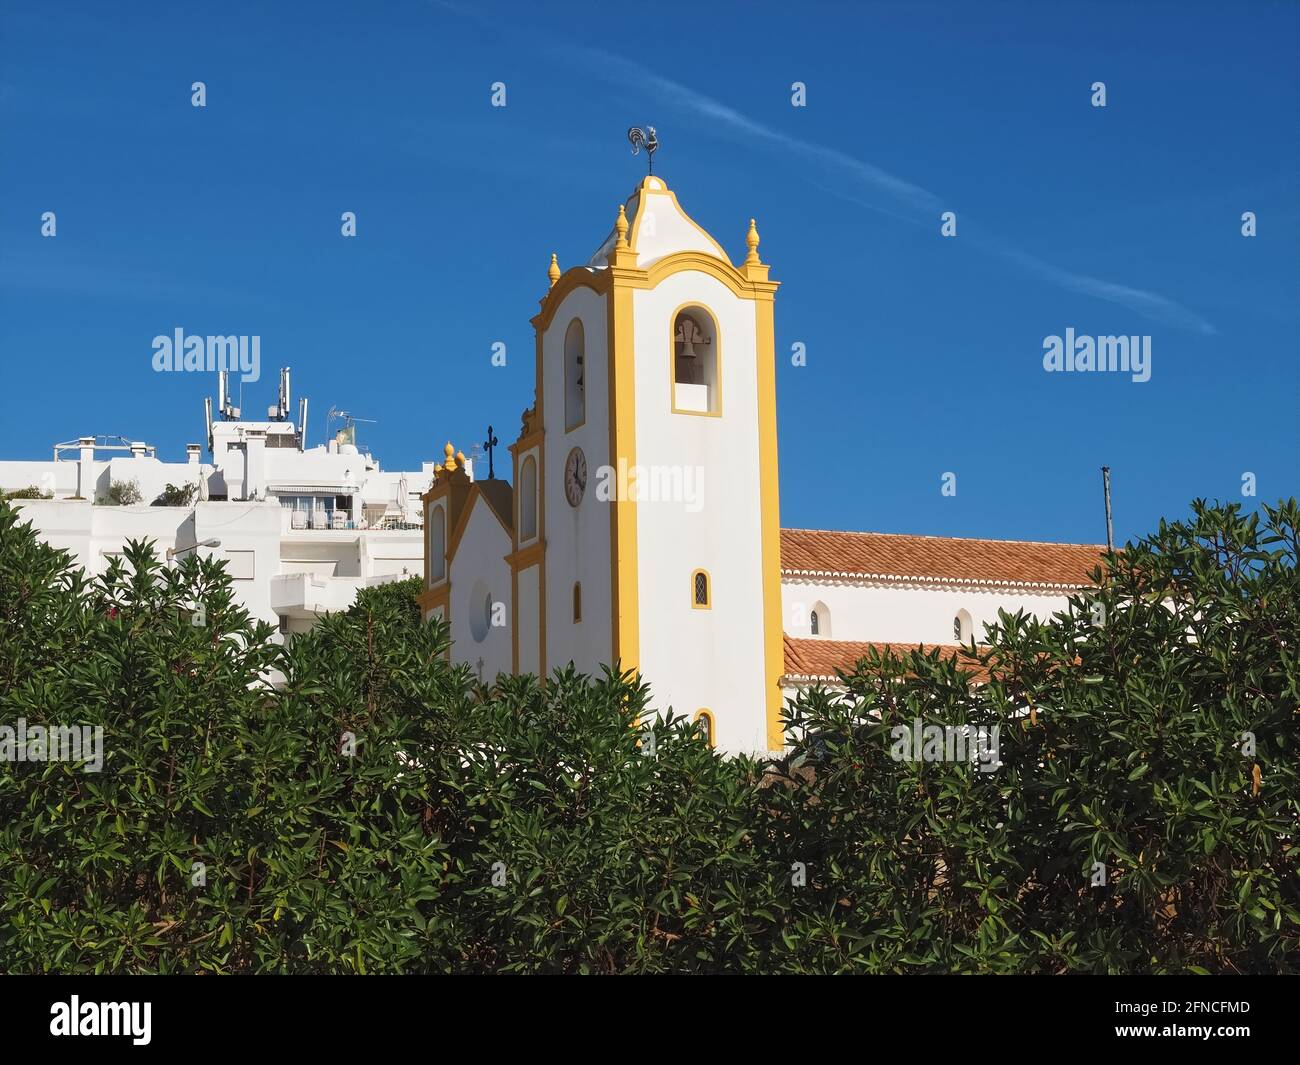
924,354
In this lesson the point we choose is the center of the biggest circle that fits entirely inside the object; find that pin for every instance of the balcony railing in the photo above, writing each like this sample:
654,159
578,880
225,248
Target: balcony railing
326,520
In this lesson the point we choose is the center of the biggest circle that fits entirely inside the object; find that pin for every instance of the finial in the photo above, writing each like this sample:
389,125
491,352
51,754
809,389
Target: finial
450,452
620,227
751,239
554,272
460,457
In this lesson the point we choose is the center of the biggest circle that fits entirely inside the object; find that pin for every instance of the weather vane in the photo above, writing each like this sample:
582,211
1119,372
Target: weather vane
644,138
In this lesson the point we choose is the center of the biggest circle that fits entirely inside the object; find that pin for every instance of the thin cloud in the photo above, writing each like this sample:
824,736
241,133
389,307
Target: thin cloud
1147,304
871,177
873,180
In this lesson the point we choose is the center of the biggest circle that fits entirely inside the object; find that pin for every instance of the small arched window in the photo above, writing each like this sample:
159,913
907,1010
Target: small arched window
819,620
701,593
577,601
704,722
437,521
528,499
575,376
695,362
962,627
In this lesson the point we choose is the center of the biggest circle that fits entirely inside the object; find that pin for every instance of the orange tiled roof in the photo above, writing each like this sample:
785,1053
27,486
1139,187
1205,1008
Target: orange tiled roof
894,557
815,659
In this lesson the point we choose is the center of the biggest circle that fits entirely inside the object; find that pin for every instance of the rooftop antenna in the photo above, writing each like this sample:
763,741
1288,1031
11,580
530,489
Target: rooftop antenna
644,138
282,405
349,420
1105,487
224,407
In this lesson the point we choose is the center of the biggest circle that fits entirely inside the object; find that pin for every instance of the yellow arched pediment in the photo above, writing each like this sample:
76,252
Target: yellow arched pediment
679,262
577,277
683,261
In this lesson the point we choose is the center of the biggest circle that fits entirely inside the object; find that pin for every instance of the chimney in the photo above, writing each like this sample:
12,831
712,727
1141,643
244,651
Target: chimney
192,453
138,449
86,468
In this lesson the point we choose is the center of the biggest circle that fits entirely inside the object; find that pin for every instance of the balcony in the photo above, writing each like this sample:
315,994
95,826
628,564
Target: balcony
304,595
322,520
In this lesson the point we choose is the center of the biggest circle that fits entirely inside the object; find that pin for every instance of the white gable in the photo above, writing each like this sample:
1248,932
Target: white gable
658,227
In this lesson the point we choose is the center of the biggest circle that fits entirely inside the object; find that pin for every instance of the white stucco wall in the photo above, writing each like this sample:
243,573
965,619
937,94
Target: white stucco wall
479,571
254,544
577,539
697,659
60,479
904,613
249,535
527,613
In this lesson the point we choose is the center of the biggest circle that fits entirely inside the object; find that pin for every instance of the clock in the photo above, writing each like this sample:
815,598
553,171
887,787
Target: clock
575,476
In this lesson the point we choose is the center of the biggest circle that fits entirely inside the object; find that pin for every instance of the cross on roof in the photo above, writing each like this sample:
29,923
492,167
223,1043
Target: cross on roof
489,444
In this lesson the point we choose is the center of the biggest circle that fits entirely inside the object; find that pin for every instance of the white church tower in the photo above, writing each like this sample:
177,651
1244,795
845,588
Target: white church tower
646,516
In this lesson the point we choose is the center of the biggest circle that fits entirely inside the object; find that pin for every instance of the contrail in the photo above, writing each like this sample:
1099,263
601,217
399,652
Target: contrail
920,203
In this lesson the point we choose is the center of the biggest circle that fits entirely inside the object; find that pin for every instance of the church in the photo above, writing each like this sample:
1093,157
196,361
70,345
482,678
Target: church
642,521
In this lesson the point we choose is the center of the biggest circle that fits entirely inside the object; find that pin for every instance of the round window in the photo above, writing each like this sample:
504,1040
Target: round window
480,612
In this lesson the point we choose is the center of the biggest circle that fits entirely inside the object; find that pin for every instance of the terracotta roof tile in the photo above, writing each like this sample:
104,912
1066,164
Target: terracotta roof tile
894,557
500,498
808,659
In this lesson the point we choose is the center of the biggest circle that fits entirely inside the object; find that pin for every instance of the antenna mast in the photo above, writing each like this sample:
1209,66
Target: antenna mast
1105,487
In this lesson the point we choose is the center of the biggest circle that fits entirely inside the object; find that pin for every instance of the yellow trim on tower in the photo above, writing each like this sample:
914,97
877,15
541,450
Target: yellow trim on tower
527,556
625,644
539,403
573,278
431,599
748,287
514,618
769,493
749,283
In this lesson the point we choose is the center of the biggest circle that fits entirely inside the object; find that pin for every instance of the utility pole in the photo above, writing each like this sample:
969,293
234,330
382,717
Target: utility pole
1105,486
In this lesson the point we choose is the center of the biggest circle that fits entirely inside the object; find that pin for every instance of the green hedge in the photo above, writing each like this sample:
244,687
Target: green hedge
527,827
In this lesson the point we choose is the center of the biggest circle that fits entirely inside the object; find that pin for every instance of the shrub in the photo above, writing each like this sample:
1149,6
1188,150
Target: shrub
121,494
1144,816
30,492
177,495
386,812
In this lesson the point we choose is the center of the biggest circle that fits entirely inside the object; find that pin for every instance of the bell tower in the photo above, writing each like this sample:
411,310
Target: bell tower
653,440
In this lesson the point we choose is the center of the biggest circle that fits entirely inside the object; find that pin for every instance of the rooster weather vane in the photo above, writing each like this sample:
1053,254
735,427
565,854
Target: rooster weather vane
644,138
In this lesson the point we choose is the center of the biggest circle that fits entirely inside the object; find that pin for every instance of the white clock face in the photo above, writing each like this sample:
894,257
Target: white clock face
575,476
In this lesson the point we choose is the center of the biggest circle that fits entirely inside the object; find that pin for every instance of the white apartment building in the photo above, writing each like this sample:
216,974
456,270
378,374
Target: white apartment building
300,529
